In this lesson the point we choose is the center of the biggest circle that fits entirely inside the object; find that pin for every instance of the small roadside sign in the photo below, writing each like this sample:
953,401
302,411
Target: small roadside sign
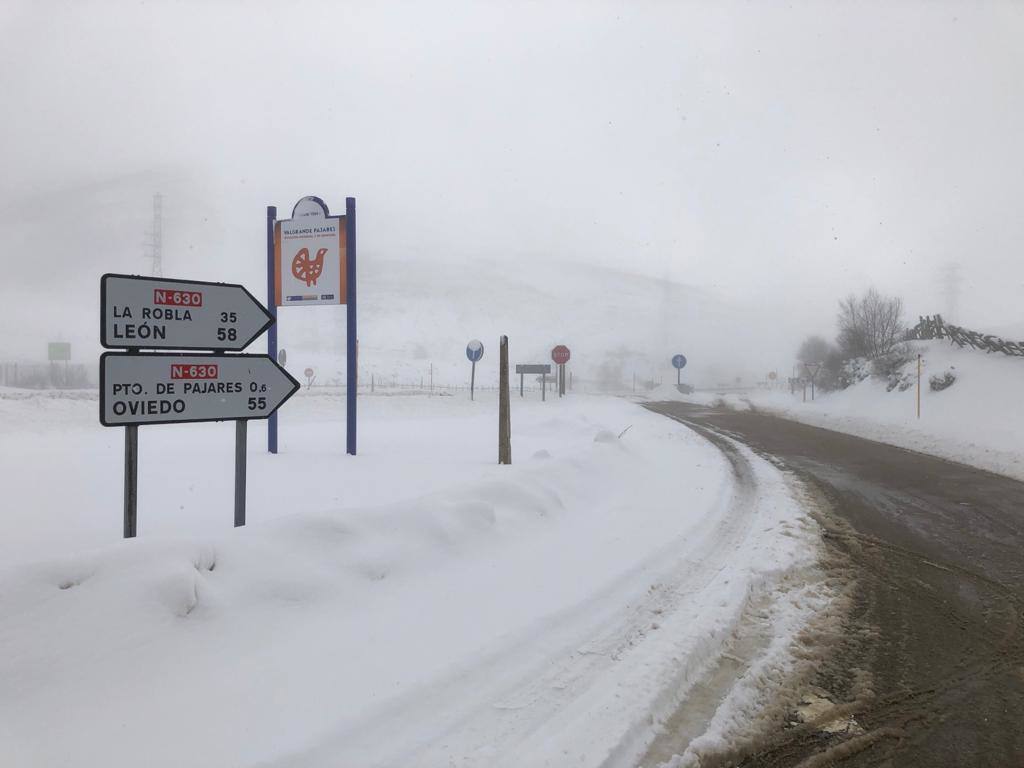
474,351
58,351
542,368
157,313
812,371
560,355
165,388
679,362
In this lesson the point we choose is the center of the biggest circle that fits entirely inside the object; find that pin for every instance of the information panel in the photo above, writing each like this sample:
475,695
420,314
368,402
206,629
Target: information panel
309,256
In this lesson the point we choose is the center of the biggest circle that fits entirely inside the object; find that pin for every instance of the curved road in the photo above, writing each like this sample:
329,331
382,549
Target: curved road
931,662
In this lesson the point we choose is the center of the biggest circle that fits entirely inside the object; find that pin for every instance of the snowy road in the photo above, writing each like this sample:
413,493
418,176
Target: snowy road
418,605
928,669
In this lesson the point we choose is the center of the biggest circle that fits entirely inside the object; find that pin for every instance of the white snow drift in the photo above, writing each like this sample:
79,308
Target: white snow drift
415,605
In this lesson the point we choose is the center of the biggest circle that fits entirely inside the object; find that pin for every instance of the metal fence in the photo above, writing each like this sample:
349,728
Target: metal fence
930,327
47,375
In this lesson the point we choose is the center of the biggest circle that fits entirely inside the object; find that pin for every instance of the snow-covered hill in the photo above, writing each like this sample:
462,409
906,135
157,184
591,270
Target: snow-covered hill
416,308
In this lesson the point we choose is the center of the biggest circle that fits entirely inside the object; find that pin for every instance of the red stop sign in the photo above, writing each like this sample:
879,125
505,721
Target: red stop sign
560,354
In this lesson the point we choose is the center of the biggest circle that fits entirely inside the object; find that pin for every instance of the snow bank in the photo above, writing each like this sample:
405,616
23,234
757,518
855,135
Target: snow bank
978,420
414,605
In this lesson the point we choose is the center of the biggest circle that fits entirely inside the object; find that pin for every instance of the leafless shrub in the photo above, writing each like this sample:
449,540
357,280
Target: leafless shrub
870,325
823,356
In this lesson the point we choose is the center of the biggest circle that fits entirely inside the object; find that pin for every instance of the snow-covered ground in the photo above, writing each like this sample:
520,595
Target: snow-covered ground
415,605
979,420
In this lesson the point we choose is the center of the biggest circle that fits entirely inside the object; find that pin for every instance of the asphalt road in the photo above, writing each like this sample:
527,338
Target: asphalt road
930,664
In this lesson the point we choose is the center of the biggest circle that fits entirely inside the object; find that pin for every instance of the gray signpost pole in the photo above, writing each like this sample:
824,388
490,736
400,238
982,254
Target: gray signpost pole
272,308
504,407
352,355
472,380
521,375
543,386
241,430
131,480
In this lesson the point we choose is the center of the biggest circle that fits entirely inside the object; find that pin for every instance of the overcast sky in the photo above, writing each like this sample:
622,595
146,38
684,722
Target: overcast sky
784,153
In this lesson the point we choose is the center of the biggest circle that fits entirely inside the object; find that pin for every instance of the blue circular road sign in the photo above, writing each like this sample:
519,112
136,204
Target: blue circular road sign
679,361
474,350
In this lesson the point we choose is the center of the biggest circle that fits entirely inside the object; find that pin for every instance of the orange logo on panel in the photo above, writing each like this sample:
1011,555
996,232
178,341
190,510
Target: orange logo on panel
307,269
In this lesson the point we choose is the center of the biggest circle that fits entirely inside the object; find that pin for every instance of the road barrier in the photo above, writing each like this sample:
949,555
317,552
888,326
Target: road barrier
934,328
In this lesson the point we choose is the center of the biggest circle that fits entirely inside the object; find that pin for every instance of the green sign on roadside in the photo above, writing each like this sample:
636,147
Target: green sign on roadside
58,351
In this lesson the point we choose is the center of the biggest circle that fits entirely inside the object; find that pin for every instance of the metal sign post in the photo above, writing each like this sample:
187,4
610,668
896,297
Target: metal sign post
272,304
131,481
57,352
812,371
241,430
475,352
679,362
542,368
352,362
504,406
560,355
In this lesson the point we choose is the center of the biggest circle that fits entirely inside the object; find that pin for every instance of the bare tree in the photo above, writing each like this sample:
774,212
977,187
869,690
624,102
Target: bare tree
814,349
870,325
824,355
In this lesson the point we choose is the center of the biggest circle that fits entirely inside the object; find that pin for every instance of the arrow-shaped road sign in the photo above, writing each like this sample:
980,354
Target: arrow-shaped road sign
156,313
163,388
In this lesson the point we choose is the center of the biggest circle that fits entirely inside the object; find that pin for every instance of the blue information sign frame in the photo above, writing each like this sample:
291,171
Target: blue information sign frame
352,337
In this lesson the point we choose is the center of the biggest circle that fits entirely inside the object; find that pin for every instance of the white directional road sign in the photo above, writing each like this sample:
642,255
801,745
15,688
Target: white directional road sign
164,388
156,313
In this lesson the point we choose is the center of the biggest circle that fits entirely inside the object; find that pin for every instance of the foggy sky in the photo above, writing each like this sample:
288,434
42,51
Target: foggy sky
780,154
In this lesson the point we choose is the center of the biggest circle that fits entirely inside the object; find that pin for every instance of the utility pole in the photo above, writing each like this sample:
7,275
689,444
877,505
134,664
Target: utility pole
951,285
156,237
919,386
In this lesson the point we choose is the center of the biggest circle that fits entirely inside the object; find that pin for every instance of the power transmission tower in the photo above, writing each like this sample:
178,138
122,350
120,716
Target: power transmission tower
952,282
155,244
